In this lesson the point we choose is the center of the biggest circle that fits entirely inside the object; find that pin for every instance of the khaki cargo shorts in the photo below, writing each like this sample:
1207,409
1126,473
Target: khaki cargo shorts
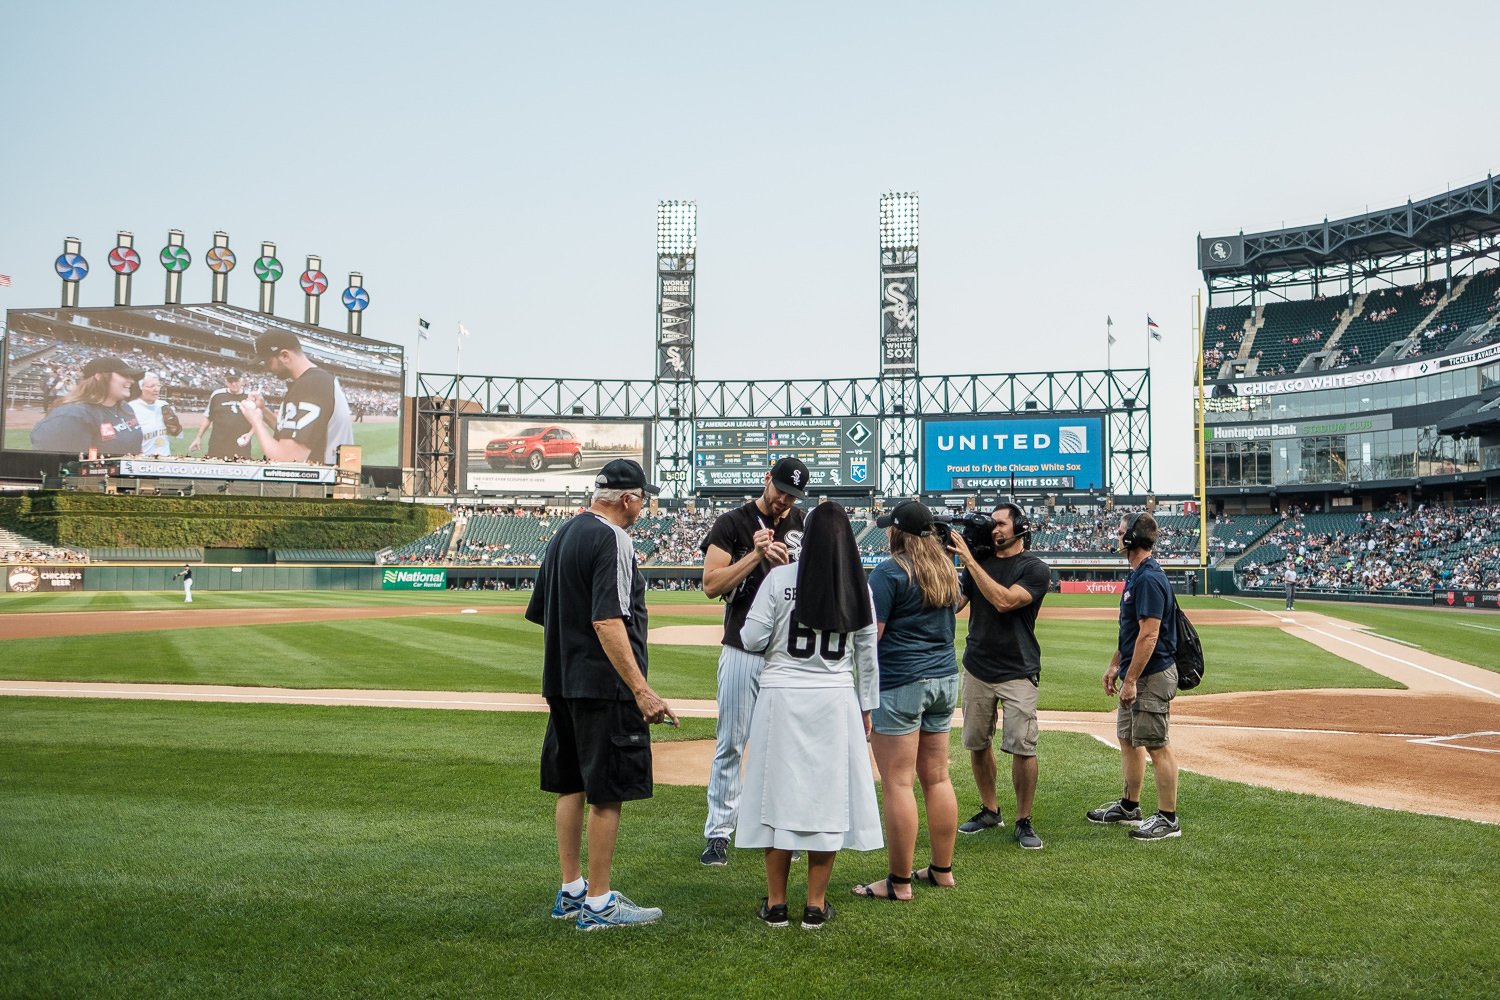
1016,701
1144,721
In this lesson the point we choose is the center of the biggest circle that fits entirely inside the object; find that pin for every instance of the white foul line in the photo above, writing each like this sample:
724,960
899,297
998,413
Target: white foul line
1376,652
1487,628
1444,741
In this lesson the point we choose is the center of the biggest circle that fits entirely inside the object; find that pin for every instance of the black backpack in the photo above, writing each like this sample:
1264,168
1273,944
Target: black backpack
1189,652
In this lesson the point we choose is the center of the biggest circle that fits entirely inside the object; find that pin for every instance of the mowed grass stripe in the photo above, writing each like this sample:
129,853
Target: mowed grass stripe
190,850
504,653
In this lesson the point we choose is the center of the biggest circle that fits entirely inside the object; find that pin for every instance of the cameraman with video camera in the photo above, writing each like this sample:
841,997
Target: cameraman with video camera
1003,585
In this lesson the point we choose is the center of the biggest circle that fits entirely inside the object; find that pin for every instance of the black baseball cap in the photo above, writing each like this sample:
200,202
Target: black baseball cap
272,341
790,476
232,376
624,474
911,517
113,365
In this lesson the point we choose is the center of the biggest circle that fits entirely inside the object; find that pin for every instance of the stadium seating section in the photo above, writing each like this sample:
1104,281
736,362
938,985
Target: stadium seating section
1223,327
1387,317
1292,331
1402,552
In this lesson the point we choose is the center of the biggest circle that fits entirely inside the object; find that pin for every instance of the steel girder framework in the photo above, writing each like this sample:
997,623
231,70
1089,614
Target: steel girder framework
1122,397
1452,231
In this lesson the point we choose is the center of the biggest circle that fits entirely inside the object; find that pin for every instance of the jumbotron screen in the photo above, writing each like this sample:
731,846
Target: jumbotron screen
546,454
988,453
735,454
65,385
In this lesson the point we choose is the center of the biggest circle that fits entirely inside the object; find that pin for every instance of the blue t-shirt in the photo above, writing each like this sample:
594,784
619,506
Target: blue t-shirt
1148,595
918,640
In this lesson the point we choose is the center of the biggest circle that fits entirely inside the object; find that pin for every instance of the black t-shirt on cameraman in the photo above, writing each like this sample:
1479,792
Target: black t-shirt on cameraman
1002,645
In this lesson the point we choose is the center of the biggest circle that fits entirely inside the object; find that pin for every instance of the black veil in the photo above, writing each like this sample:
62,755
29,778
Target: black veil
832,593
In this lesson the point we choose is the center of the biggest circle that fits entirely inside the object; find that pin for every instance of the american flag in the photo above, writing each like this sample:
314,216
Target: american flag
1152,328
4,281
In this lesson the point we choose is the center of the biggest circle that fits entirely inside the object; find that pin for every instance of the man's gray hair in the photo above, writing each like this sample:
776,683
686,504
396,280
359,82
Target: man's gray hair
602,495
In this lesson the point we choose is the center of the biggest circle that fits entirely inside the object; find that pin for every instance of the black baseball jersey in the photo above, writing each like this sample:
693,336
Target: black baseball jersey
316,415
588,575
1002,645
76,427
227,425
734,532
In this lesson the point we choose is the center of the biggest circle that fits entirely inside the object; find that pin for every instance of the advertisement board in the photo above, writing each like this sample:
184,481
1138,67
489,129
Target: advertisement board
988,453
839,452
59,395
43,578
1093,587
413,579
1486,600
546,455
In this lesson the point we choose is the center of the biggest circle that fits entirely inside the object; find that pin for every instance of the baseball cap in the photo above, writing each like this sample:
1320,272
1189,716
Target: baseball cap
276,340
232,376
790,476
911,517
624,474
112,365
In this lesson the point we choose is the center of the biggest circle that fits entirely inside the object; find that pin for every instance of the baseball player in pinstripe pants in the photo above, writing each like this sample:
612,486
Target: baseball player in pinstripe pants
741,547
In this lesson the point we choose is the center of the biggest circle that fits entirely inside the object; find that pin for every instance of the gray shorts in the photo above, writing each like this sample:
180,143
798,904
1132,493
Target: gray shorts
925,704
1016,702
1144,722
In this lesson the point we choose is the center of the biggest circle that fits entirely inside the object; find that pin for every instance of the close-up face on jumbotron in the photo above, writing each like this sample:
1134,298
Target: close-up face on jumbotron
848,502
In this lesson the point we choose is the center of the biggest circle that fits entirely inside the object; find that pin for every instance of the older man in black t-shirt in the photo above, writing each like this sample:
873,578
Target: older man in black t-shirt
590,600
1003,667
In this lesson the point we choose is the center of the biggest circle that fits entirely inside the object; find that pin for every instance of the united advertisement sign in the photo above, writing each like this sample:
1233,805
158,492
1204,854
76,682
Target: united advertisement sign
1063,452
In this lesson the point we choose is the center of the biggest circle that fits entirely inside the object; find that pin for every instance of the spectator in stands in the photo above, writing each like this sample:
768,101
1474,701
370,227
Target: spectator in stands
315,417
223,421
159,423
94,416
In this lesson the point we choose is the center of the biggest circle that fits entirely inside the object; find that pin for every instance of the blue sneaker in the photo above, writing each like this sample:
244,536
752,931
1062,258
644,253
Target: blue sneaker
567,905
620,912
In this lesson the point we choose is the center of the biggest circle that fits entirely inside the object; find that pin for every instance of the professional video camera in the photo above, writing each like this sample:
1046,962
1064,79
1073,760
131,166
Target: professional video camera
976,528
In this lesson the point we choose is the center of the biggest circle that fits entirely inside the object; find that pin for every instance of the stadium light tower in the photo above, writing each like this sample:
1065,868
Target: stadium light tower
899,232
676,272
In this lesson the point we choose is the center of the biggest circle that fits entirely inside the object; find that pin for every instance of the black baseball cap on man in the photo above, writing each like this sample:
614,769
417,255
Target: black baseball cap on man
112,365
273,341
911,517
790,476
624,474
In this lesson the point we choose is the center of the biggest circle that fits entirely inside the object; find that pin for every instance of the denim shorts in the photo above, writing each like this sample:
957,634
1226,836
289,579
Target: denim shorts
928,703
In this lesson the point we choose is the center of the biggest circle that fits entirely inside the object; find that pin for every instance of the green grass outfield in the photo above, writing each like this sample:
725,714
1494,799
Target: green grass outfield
192,850
1467,636
504,652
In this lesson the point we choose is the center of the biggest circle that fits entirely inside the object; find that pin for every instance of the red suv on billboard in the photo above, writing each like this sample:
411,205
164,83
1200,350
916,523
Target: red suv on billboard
535,448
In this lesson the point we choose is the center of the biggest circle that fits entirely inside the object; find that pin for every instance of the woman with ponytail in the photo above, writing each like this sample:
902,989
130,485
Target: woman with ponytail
916,592
808,785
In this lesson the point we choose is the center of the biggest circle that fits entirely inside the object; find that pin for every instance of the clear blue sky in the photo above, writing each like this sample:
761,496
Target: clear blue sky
499,164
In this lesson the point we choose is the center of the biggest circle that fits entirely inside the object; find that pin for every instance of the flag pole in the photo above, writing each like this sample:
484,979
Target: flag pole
417,361
1149,338
1109,343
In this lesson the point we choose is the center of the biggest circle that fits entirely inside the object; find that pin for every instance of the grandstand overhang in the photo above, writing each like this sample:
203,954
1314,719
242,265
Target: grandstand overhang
1448,229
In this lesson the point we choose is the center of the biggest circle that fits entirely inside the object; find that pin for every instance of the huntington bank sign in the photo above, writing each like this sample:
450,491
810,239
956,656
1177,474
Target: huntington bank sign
414,579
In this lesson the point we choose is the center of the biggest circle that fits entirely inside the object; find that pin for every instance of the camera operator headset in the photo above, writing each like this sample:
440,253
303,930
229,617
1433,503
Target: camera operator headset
1002,664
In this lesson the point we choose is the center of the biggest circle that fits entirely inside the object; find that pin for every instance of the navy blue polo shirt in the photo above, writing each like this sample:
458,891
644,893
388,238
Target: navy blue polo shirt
1148,595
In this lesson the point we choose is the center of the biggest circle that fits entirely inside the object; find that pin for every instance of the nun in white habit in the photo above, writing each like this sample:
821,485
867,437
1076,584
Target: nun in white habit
808,785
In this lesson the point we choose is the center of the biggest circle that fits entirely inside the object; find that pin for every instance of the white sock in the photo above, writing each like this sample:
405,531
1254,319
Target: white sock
599,902
575,887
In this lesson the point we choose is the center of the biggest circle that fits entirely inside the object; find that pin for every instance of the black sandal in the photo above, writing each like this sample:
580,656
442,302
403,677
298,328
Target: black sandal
891,881
930,878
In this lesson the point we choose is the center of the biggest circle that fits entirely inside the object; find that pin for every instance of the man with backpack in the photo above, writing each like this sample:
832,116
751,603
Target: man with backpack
1143,672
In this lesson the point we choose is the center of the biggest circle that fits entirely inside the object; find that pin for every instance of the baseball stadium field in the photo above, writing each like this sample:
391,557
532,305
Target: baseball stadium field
261,795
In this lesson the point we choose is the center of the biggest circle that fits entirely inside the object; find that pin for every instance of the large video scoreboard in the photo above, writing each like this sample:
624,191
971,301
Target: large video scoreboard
841,453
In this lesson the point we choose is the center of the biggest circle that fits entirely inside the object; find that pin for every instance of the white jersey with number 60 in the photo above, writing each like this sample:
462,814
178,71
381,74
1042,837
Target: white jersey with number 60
802,657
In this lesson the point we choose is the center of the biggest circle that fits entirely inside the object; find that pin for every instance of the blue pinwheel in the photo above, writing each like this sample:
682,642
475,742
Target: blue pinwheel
71,267
356,299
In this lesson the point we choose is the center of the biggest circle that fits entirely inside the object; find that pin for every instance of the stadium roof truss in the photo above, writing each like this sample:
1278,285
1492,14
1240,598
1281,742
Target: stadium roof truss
1122,396
1442,236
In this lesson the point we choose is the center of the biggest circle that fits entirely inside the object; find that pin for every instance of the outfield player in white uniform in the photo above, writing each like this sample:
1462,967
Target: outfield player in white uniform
742,546
186,576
